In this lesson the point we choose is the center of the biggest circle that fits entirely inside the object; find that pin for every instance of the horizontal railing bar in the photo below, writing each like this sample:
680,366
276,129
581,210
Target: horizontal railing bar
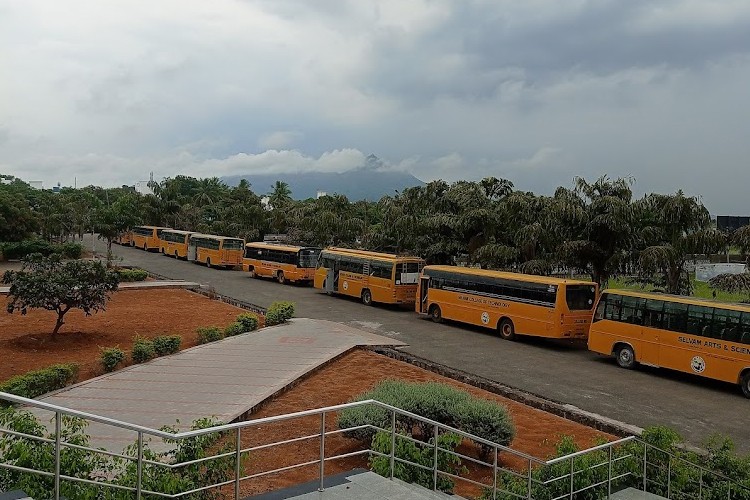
466,479
108,485
471,459
97,450
279,443
27,436
412,463
282,469
347,455
25,469
590,450
203,488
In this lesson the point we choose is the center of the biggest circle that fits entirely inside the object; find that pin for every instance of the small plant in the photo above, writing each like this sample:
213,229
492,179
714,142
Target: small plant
143,350
130,275
249,321
111,357
488,420
279,312
235,328
37,382
208,334
166,344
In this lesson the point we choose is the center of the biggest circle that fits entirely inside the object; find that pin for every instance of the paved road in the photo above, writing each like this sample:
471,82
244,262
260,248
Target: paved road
560,372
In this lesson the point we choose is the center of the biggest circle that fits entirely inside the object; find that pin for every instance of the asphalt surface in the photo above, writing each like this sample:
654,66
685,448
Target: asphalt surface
559,371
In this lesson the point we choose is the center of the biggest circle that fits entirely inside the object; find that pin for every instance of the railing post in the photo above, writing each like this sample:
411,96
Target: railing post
494,472
322,448
609,474
669,477
237,457
530,485
58,431
700,486
435,461
729,490
572,468
393,443
645,462
139,467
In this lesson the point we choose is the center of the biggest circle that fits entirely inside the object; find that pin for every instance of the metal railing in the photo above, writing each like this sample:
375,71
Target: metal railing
597,471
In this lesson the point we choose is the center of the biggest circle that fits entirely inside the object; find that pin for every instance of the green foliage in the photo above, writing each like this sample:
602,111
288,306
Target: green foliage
37,382
279,312
166,344
233,329
130,275
24,452
143,350
111,357
22,249
417,453
48,283
208,334
431,400
249,321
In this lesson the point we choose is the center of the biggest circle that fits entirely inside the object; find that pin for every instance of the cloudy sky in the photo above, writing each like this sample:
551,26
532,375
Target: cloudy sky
536,91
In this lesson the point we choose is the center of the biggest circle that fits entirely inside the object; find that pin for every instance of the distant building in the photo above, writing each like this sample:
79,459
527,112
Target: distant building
730,223
37,184
321,194
142,187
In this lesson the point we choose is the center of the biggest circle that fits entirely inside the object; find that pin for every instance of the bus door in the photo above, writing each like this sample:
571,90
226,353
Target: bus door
192,252
424,286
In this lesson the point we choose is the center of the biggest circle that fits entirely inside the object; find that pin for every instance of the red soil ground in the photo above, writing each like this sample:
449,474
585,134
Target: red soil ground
26,343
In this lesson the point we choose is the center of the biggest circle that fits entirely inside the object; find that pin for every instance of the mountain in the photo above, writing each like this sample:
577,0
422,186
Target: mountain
370,181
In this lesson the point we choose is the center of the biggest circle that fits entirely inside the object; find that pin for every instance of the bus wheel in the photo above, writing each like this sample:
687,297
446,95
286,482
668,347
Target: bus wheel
208,262
176,256
625,356
280,277
366,297
145,247
507,330
745,383
436,314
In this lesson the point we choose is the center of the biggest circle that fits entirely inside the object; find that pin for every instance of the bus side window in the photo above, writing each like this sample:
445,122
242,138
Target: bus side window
632,310
599,314
745,328
654,312
612,311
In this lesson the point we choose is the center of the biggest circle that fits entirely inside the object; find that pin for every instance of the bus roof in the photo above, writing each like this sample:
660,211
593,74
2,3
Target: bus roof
680,298
367,253
154,227
547,280
214,236
278,246
178,231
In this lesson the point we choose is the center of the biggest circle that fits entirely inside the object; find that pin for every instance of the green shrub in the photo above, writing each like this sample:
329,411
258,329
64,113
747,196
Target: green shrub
249,321
111,357
208,334
417,453
70,250
166,344
431,400
235,328
21,249
143,350
130,275
37,382
279,312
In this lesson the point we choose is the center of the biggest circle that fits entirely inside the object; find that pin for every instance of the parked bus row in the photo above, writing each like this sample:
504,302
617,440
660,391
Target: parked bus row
703,337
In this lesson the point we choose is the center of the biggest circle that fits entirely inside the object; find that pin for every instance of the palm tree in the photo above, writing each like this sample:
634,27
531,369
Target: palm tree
280,195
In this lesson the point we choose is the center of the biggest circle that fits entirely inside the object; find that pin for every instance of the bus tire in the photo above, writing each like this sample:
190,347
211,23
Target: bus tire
745,383
176,255
251,272
280,277
625,356
436,314
366,297
145,247
208,262
506,329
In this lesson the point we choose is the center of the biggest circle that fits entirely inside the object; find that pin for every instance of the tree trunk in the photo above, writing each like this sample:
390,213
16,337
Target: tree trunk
109,253
60,322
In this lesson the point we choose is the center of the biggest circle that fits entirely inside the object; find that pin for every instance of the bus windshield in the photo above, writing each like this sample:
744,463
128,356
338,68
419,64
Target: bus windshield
580,297
233,244
308,258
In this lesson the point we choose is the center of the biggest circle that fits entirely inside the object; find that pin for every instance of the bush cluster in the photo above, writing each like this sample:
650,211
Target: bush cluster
37,382
166,344
246,322
21,249
279,312
143,350
111,357
440,402
130,275
208,334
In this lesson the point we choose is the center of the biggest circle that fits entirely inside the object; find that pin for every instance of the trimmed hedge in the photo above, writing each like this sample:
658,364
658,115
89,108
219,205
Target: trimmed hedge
208,334
166,344
130,275
235,328
21,249
440,402
37,382
143,350
249,321
111,357
279,312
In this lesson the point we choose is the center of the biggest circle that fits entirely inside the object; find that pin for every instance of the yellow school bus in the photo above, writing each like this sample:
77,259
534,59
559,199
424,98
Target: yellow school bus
174,243
371,276
124,238
212,250
510,303
147,237
285,263
704,337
